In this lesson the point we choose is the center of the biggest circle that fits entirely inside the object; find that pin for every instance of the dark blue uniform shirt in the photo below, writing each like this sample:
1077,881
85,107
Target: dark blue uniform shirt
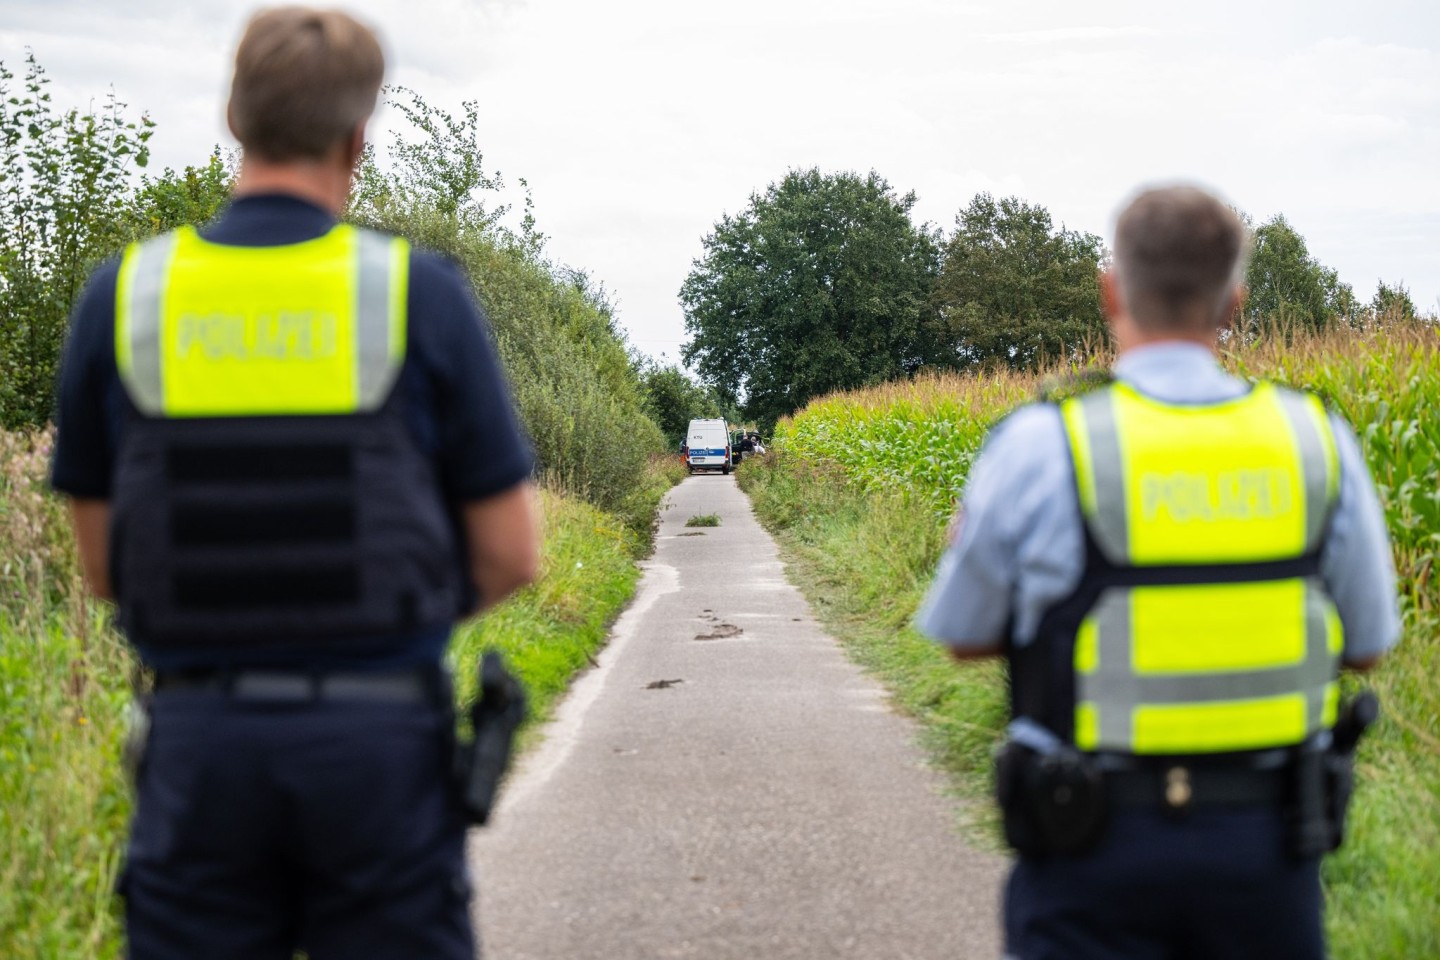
455,398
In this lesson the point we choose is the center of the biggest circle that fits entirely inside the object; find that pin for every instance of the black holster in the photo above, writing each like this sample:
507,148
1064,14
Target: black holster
1053,803
1322,782
480,762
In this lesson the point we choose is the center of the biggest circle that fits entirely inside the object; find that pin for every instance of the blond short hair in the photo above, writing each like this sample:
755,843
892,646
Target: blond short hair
305,79
1179,256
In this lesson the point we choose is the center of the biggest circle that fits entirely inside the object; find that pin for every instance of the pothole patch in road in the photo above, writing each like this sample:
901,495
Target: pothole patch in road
692,533
722,631
662,684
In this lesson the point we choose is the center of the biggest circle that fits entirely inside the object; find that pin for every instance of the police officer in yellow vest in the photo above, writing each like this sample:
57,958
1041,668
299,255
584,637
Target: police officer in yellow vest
294,464
1176,564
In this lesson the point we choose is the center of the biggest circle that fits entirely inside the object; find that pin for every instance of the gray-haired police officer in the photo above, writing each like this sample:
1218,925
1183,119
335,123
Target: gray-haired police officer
1176,564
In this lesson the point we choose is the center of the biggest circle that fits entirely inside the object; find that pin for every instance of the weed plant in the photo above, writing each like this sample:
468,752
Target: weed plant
860,485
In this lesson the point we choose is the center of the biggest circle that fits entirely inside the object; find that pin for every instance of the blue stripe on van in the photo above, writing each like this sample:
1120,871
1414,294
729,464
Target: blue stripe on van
698,452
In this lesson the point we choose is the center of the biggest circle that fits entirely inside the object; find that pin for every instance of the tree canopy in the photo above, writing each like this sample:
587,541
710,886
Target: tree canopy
821,283
1286,282
672,400
69,198
1014,289
1392,303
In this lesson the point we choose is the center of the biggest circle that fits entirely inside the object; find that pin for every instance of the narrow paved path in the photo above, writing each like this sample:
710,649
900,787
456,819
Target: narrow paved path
728,785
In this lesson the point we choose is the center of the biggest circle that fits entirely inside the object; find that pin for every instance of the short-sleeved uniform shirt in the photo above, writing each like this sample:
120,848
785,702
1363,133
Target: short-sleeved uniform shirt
1020,543
455,399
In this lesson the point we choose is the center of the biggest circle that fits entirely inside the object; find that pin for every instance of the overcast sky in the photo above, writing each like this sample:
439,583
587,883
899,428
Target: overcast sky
639,122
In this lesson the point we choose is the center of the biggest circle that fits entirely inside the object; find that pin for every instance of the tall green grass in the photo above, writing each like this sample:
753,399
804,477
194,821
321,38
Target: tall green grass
859,487
66,677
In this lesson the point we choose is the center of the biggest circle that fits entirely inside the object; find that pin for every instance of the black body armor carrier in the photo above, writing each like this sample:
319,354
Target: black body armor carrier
256,532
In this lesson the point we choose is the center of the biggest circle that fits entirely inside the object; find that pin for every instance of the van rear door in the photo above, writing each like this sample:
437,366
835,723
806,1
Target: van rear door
708,446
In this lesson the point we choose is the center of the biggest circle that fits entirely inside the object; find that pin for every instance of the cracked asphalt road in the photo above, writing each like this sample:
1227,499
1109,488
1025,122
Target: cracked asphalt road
727,784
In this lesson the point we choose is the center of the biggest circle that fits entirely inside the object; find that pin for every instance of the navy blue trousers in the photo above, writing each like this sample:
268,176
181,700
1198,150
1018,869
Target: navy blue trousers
262,829
1214,886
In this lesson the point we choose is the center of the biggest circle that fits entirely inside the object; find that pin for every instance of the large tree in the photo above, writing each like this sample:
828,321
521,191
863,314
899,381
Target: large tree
1392,304
820,284
672,399
1014,289
1287,283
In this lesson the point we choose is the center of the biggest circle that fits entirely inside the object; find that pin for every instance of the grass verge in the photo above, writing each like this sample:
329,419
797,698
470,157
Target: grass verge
66,676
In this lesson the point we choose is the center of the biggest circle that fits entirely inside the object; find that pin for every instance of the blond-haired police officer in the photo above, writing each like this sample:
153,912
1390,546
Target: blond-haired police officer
294,464
1176,564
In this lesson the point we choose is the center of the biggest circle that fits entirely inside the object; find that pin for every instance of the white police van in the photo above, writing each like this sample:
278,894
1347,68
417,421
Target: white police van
708,446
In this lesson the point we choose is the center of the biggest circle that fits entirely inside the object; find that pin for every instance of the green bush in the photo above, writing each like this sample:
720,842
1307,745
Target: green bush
575,385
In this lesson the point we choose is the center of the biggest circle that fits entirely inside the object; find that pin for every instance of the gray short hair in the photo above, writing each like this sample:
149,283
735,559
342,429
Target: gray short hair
1179,255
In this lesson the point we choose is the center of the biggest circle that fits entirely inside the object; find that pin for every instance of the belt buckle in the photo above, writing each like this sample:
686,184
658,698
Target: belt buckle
1179,792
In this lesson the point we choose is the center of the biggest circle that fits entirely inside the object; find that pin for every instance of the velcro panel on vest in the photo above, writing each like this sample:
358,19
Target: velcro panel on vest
332,529
259,462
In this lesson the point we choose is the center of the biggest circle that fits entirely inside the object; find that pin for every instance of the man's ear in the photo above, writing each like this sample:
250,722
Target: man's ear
1233,310
1110,301
355,147
1117,315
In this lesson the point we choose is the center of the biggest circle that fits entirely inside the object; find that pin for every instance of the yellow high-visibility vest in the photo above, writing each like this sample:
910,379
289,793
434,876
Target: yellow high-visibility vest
312,328
268,491
1215,633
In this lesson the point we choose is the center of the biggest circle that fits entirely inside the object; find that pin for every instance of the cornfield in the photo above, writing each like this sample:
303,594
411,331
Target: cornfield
919,437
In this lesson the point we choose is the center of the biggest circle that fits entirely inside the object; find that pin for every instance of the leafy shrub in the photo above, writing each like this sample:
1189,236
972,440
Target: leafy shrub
575,386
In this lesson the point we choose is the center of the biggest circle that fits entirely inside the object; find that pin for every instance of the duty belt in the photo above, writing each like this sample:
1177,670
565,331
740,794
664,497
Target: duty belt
294,686
1178,787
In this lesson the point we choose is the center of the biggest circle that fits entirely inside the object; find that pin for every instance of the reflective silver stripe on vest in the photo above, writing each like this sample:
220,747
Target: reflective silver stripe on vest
1321,666
1315,460
145,300
378,360
1110,525
1110,687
